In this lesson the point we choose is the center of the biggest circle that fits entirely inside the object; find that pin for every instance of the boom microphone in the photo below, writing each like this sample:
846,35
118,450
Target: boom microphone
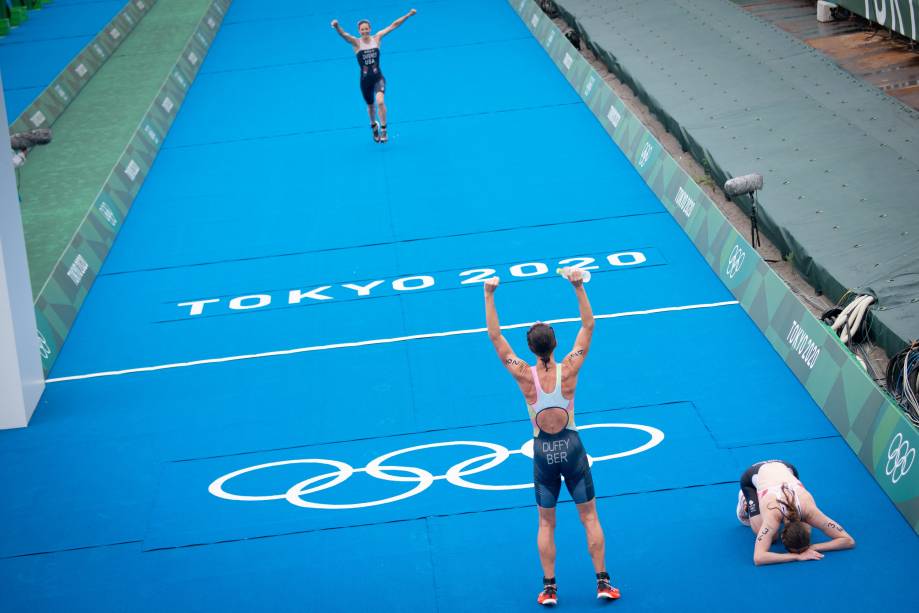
739,186
747,184
22,141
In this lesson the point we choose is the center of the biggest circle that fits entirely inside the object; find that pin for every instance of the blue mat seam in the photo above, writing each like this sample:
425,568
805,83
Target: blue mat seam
376,437
403,241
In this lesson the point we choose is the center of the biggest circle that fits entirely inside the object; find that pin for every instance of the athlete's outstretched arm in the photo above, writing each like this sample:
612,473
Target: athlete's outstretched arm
512,363
575,359
348,38
398,22
840,539
762,555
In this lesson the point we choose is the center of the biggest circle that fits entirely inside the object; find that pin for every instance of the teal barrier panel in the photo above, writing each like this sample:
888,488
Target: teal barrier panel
870,421
57,306
50,104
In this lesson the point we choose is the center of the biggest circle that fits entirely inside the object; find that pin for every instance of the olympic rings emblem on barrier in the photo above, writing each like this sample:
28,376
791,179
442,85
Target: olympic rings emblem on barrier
735,261
900,458
422,478
44,349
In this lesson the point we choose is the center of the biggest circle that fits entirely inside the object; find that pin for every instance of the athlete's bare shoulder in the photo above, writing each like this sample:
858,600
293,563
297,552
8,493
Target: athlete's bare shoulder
517,367
570,368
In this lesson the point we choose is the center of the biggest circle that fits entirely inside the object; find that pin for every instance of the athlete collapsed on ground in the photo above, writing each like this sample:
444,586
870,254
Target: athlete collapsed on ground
557,448
373,84
770,494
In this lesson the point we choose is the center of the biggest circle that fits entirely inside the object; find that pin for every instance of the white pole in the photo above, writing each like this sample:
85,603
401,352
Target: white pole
21,377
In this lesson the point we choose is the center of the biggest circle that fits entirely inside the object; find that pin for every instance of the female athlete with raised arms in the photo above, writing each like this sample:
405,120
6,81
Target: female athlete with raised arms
373,84
557,449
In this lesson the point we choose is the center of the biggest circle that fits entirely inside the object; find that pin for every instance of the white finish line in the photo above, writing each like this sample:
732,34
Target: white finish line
378,341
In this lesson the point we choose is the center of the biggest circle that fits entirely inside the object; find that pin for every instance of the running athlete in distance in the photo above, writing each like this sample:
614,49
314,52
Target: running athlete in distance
557,448
373,84
770,495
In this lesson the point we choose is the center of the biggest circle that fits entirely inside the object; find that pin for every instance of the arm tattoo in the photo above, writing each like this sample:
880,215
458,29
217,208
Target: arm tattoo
763,533
575,354
830,525
520,366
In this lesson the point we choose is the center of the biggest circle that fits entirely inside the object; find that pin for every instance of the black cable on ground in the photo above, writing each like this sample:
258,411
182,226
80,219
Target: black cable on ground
548,7
903,380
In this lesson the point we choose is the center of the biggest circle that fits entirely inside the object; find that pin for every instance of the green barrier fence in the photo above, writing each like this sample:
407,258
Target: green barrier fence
49,104
60,299
31,5
897,15
18,15
869,420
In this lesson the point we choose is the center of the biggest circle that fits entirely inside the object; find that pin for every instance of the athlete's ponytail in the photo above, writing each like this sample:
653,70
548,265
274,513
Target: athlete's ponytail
795,536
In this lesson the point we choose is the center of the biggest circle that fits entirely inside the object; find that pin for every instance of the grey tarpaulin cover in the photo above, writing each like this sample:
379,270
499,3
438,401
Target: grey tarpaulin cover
840,158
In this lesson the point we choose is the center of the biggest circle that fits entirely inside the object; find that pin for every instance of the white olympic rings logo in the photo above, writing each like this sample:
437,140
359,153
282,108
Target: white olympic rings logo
899,460
735,261
411,474
43,347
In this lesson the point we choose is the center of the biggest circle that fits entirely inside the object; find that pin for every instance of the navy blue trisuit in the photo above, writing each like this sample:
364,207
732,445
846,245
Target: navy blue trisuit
372,80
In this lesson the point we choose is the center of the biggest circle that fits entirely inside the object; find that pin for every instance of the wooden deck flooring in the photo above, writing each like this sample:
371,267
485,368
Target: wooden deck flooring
864,50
